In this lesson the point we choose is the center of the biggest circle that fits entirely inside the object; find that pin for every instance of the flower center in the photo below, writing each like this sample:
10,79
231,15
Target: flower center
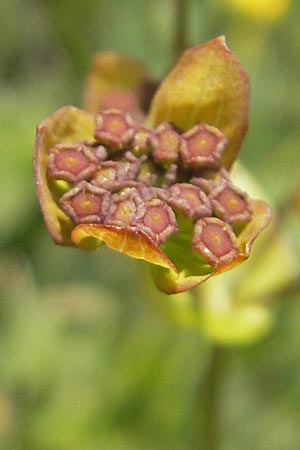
216,240
232,202
156,218
86,204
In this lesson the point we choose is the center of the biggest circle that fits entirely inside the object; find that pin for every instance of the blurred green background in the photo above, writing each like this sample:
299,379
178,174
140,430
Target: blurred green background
87,359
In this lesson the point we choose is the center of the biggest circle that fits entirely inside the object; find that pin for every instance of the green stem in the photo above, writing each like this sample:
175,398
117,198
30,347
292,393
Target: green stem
207,436
180,26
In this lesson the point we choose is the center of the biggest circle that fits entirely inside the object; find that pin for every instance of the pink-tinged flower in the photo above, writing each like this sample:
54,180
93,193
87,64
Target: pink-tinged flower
126,208
230,203
202,146
166,144
190,200
71,163
155,187
86,203
215,241
114,128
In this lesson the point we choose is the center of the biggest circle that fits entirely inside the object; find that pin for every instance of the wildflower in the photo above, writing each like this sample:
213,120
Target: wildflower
190,200
202,146
126,208
157,189
114,128
166,146
230,203
85,203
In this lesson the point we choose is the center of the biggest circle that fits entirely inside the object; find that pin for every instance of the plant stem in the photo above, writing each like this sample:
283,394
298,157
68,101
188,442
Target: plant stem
180,26
207,436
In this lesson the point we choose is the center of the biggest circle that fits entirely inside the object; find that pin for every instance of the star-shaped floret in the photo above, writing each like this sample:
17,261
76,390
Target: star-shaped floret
166,143
142,141
190,200
112,175
215,241
126,208
114,128
71,163
86,203
230,203
159,221
202,146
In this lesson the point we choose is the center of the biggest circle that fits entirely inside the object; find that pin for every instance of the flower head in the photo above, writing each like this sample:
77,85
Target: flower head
157,189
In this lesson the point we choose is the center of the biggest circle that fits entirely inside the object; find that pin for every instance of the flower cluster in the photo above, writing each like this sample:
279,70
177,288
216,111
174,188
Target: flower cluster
148,180
155,187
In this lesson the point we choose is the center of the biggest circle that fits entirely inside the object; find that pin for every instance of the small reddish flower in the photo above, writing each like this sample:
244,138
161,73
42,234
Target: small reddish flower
112,175
166,143
71,163
215,241
127,207
142,141
190,200
114,128
156,188
202,146
159,221
230,203
86,203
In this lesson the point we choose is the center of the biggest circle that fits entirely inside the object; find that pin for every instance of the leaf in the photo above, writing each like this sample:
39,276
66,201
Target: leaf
137,244
66,125
132,242
209,85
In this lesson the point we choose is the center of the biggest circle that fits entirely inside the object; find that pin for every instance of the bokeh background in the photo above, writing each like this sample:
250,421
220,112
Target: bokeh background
88,358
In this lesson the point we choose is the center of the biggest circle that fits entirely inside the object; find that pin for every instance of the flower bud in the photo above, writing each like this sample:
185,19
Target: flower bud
159,220
215,241
144,187
202,146
205,184
142,141
86,203
147,173
189,200
71,163
112,175
230,203
126,208
100,152
166,145
114,128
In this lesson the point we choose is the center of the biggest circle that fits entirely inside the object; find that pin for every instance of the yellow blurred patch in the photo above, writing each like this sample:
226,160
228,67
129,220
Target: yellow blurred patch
228,323
260,10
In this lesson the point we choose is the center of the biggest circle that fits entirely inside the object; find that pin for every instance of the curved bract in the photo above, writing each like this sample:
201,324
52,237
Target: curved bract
67,125
208,84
